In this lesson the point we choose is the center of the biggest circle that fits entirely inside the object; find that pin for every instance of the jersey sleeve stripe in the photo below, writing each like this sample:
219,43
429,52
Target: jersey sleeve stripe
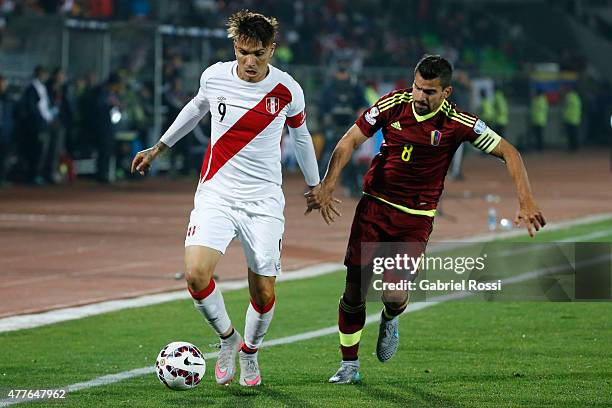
399,102
463,117
466,117
395,97
389,100
392,98
468,124
393,102
487,141
480,139
458,116
486,145
297,120
481,142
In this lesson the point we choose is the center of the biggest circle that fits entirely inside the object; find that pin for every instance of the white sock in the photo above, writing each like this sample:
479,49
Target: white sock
209,302
257,323
352,363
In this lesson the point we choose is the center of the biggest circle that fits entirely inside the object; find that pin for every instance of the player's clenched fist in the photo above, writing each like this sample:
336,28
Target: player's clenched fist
143,159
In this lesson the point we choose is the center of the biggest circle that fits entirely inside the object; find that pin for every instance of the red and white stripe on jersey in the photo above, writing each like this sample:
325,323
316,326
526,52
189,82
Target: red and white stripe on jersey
297,120
244,130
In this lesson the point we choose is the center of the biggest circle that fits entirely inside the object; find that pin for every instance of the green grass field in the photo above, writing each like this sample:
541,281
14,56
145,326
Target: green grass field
453,354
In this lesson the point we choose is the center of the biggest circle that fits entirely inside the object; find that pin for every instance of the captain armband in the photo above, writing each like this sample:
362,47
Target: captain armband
487,140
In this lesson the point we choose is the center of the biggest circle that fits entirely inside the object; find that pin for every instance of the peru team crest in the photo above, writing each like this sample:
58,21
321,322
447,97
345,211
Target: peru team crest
272,104
436,136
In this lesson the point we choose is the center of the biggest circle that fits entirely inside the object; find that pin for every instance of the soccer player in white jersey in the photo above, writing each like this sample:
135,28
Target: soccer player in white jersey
239,193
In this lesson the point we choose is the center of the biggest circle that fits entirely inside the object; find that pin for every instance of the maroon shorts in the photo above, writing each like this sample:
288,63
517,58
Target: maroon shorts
377,222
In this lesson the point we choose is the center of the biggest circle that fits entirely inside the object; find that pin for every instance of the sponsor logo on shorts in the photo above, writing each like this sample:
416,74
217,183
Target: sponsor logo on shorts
277,265
191,230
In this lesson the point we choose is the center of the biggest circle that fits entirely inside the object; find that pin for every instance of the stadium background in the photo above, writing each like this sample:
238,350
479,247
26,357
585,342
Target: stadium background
70,240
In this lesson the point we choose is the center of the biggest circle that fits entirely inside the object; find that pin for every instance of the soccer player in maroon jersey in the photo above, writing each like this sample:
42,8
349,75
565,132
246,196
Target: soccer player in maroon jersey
422,130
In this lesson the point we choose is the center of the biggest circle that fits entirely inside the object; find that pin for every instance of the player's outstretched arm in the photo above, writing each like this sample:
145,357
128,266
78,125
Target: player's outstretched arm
323,197
528,212
143,159
305,154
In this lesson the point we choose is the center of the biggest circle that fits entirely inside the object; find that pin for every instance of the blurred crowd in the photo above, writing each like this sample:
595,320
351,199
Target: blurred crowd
51,123
94,9
393,33
52,126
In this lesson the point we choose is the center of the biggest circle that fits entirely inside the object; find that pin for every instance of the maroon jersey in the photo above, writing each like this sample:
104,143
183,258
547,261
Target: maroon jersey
417,150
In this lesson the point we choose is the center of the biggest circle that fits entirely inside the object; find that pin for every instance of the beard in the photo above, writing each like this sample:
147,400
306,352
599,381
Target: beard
422,109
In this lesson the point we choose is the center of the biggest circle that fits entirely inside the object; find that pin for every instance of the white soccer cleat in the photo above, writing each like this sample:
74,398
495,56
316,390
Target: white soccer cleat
348,373
249,370
388,338
225,369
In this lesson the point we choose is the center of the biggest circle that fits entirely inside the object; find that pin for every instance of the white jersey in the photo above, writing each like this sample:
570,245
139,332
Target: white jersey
243,160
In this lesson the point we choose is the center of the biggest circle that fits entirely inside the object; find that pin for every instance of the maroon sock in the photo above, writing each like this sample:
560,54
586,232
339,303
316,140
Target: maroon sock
351,320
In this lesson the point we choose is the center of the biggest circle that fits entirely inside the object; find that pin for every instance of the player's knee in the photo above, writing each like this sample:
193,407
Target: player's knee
263,296
353,294
396,300
198,276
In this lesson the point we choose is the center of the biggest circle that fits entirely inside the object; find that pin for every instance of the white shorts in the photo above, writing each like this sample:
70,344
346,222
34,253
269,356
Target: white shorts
259,225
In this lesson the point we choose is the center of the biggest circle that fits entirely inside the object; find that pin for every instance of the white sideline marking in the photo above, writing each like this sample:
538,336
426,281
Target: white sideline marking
125,375
29,321
87,219
587,237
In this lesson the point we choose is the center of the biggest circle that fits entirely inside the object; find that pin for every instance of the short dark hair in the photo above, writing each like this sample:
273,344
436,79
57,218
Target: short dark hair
250,26
114,78
38,70
435,66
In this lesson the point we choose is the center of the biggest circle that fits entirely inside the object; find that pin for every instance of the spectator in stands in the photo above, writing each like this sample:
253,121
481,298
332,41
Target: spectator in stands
340,102
572,117
81,140
104,111
174,99
100,9
461,96
500,107
539,119
35,114
59,129
487,111
6,129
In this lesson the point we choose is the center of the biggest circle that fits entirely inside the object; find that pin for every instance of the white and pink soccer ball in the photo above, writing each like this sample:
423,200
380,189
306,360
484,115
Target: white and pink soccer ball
180,366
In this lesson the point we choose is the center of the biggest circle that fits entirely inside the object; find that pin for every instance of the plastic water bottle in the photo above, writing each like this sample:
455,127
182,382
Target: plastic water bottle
492,219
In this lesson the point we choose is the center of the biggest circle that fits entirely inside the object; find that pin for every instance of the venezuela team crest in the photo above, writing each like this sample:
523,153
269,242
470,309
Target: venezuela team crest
436,136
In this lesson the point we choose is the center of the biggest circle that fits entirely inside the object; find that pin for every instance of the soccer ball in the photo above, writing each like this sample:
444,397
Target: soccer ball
180,366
